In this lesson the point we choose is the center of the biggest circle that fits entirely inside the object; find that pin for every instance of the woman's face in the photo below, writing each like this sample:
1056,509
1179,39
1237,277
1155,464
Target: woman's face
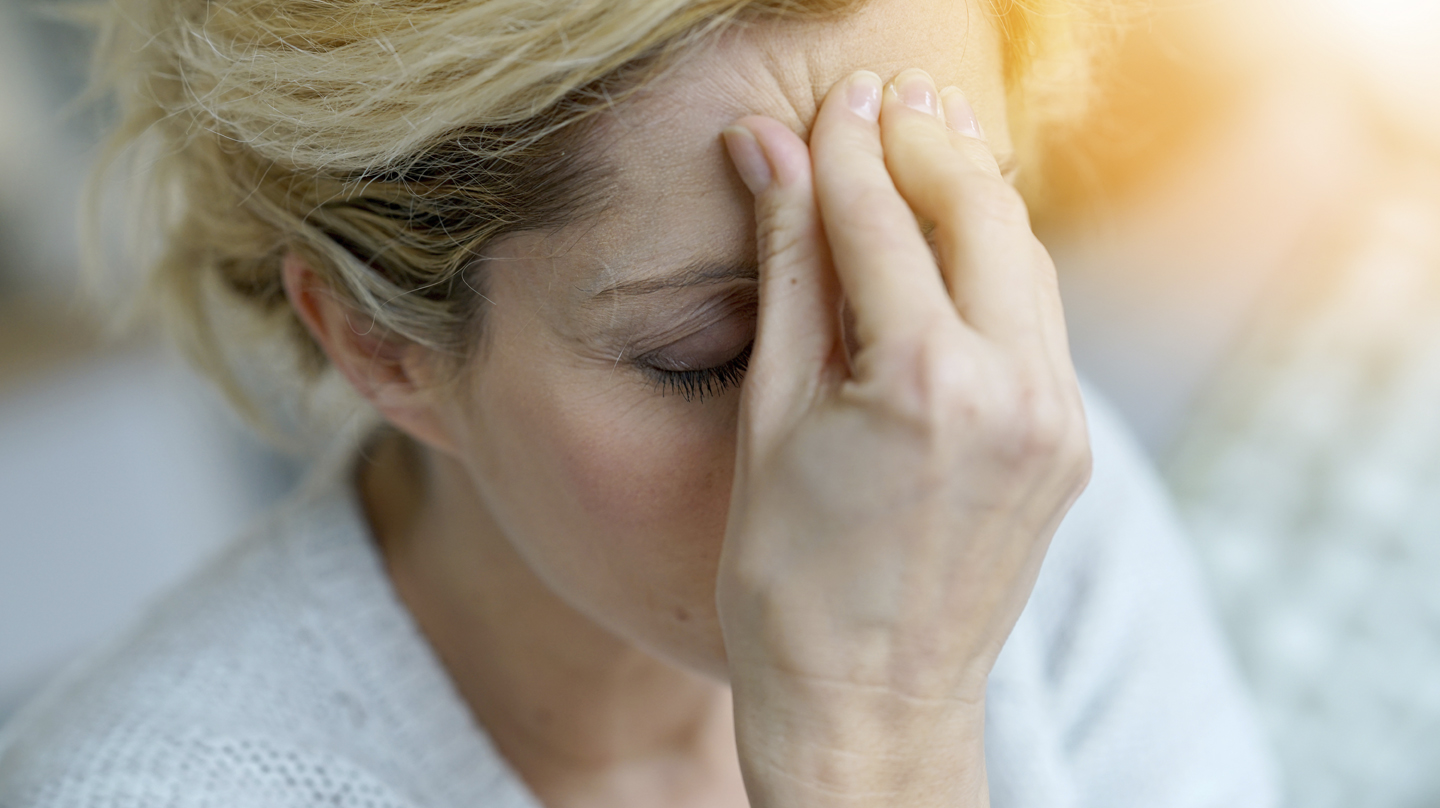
598,426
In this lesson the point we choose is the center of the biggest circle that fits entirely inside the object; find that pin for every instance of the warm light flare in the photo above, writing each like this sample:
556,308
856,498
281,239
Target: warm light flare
1399,36
1394,20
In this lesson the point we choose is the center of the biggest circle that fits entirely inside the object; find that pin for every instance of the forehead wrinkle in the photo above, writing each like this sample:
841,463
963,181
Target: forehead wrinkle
663,142
742,70
703,272
809,57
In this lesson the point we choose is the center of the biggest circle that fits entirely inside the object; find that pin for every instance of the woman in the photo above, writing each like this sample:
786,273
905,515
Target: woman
581,564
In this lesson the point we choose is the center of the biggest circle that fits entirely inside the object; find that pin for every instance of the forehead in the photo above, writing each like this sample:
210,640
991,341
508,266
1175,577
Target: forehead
676,201
783,67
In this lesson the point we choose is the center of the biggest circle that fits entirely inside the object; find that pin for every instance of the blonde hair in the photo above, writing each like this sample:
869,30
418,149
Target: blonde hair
386,142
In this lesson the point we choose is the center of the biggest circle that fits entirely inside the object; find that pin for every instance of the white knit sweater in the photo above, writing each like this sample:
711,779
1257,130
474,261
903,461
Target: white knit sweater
288,674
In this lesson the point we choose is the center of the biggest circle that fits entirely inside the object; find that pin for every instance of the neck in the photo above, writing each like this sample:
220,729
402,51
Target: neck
573,707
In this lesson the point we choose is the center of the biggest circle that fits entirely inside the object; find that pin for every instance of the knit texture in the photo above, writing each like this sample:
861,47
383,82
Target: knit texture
289,674
1310,479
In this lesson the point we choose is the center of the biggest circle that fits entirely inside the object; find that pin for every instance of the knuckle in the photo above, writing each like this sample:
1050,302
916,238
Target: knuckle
1028,426
926,382
1044,430
1082,460
975,196
1039,427
784,233
920,136
951,383
778,242
997,201
858,205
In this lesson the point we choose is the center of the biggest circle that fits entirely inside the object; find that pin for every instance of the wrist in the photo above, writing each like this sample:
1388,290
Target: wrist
807,744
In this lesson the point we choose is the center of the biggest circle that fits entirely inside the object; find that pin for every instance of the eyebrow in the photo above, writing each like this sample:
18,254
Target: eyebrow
699,273
710,272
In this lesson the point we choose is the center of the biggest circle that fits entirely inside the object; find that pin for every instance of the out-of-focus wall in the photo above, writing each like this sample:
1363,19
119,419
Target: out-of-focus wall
1256,281
119,470
43,146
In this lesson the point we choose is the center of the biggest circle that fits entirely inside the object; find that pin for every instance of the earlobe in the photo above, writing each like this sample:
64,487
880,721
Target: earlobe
385,371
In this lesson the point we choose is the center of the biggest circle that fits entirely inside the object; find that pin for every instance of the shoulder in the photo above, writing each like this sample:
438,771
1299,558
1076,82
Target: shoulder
1122,539
1122,543
1117,665
234,688
164,766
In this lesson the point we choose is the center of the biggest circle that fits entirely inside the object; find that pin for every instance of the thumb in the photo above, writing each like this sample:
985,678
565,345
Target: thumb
798,346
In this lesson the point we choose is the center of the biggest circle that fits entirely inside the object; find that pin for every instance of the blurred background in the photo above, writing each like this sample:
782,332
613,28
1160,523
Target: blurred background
119,470
1248,235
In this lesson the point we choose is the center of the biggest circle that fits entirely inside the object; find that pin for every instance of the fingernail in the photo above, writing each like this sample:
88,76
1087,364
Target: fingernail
862,95
748,157
959,115
917,90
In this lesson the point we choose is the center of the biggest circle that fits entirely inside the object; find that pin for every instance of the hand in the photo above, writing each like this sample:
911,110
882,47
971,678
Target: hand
890,509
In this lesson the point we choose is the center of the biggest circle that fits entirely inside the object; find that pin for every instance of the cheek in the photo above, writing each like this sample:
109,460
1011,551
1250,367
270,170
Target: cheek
616,496
627,467
653,476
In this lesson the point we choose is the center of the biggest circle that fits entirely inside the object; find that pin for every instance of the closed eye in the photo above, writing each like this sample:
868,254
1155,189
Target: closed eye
699,383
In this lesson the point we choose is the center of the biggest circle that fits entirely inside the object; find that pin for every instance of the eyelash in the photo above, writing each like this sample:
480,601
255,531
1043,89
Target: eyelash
695,385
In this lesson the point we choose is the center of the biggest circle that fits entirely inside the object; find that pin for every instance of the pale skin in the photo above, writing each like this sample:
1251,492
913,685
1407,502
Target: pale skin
786,593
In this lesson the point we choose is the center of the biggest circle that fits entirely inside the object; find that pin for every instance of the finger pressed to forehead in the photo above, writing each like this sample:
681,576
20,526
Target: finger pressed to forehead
885,266
797,334
988,255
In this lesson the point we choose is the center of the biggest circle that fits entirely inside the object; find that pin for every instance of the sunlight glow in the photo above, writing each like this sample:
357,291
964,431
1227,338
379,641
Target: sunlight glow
1383,27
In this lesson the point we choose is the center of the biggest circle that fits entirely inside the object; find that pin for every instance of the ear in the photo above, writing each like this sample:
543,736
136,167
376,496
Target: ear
394,375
